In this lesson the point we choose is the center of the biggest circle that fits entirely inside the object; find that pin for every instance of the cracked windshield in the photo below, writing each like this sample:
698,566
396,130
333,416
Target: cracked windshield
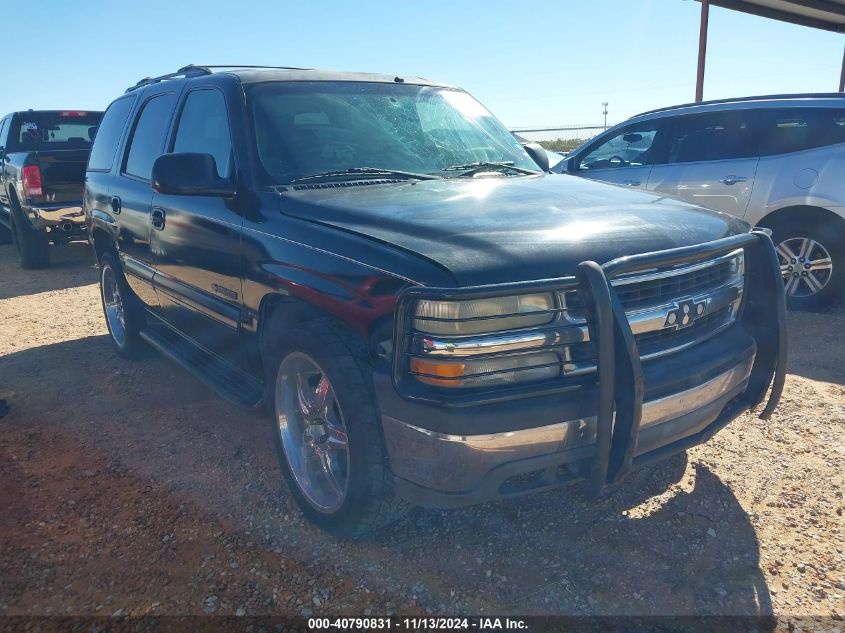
305,128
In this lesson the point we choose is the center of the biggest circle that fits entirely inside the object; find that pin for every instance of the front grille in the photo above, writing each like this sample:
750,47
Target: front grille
651,291
658,341
663,289
651,296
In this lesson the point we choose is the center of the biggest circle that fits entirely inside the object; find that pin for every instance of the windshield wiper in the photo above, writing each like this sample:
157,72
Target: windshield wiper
473,168
365,172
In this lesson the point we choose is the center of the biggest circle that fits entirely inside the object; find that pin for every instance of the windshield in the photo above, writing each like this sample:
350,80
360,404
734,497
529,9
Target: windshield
32,131
308,128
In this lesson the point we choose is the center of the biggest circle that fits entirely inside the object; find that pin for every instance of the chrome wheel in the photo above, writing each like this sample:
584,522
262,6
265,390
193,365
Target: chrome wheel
312,429
113,304
806,266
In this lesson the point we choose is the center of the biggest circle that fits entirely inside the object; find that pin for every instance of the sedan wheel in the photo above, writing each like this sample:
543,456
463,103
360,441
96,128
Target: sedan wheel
312,430
806,266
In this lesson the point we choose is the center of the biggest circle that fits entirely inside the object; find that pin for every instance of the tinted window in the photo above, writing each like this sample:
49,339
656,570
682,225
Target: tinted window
148,136
3,124
204,128
32,131
793,129
108,135
633,146
717,136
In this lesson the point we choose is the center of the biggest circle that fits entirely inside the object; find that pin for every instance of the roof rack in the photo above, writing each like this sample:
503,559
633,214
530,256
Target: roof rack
218,66
809,95
196,70
186,71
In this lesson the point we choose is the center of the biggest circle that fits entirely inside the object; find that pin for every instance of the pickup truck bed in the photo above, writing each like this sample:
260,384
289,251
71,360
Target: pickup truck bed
42,176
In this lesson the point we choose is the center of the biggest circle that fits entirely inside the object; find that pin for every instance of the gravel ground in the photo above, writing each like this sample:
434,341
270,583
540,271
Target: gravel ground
131,488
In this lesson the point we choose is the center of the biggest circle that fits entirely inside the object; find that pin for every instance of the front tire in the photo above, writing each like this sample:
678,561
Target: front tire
124,315
328,433
812,262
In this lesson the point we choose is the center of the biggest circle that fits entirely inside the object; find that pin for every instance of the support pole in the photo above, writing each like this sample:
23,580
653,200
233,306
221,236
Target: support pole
702,50
842,74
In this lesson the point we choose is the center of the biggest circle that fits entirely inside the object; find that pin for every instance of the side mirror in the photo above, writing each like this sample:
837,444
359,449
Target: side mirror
188,174
538,154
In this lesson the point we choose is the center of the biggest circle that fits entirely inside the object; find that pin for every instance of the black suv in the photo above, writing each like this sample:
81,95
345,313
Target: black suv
429,317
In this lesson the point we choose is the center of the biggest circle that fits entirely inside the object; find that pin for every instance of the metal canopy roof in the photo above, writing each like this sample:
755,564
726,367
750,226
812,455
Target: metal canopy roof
828,15
820,14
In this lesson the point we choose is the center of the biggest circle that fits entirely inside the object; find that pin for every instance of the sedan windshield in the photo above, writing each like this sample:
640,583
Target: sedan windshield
307,129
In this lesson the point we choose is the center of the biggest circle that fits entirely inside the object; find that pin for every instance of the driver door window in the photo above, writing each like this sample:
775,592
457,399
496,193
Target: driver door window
625,157
629,148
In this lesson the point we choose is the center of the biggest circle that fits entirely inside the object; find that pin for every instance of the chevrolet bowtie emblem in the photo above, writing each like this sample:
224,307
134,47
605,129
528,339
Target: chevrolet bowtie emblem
684,313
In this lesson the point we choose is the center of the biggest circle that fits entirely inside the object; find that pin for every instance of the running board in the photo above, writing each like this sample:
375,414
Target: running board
231,383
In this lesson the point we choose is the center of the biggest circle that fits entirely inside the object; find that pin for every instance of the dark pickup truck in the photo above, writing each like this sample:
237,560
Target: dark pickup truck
428,316
42,168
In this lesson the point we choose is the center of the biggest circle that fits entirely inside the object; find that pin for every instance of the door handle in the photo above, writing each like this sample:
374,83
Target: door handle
157,218
631,183
114,203
732,180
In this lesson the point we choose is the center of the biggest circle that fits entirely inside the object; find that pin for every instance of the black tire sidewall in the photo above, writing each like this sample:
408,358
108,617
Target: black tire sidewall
32,246
360,417
833,239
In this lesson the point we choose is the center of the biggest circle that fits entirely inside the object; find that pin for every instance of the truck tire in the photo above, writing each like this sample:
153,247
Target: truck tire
123,312
31,245
812,258
327,432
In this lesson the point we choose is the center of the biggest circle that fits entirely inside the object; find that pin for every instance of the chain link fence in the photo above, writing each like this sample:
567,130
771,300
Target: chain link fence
559,139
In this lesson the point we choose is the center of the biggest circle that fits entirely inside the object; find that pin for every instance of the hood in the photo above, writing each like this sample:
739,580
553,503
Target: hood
494,230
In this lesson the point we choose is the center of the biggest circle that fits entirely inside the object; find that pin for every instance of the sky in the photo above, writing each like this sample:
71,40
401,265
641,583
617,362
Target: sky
532,64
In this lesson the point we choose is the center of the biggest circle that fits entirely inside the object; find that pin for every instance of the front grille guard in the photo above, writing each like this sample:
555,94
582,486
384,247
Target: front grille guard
620,374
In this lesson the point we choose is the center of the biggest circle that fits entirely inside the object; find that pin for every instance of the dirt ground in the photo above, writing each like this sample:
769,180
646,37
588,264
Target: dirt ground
131,488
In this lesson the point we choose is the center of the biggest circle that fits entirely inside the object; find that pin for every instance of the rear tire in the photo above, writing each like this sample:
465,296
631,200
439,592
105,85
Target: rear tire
323,402
32,246
812,259
122,309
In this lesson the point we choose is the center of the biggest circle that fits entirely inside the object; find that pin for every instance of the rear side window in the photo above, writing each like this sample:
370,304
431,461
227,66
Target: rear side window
795,129
108,135
204,128
148,136
708,137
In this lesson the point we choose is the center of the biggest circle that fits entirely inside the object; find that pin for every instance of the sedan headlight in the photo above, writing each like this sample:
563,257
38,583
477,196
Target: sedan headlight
478,316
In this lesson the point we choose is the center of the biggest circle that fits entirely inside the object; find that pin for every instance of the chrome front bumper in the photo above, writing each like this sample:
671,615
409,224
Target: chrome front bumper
450,470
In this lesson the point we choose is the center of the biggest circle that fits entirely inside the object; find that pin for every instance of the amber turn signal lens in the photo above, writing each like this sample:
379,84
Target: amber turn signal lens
445,370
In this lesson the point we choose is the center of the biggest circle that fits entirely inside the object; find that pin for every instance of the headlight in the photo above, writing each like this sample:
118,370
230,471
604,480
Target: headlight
478,316
487,372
